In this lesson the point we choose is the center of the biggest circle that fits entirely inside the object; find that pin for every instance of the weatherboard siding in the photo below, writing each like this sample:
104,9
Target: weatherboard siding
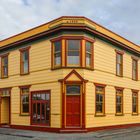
105,73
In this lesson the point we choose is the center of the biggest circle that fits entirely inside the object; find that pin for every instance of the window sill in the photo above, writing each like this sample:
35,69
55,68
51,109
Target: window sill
4,77
135,80
24,114
22,74
68,67
99,115
119,114
121,76
135,114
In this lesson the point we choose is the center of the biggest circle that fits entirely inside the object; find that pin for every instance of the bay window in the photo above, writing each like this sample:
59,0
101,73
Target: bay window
72,51
57,53
89,55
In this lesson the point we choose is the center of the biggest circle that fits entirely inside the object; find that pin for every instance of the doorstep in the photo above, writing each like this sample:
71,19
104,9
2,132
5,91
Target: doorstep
73,130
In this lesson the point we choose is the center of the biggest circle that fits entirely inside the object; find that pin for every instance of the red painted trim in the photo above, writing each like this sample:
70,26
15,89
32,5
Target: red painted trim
73,72
73,27
101,85
73,37
112,127
70,17
72,130
41,92
119,88
35,128
135,90
25,86
119,51
5,54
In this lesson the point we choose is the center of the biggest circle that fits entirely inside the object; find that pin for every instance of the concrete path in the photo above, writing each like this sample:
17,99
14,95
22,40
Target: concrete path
132,133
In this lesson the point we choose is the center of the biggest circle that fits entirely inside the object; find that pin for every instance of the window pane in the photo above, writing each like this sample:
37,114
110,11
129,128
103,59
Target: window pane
25,56
118,69
57,58
25,90
73,89
88,59
25,108
74,45
119,58
57,46
25,67
118,108
73,58
88,47
134,74
134,108
47,113
43,113
99,107
57,53
119,99
34,113
134,64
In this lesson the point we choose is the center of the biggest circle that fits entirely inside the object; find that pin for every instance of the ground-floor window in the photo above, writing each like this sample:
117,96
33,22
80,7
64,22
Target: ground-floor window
24,100
100,100
41,108
119,101
135,102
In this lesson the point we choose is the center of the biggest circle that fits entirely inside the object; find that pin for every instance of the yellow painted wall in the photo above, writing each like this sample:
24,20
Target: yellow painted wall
41,77
105,73
5,110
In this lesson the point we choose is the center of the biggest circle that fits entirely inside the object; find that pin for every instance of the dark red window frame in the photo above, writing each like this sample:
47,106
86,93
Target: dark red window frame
41,102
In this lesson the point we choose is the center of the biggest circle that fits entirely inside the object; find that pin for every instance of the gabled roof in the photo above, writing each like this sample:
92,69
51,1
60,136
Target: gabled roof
70,21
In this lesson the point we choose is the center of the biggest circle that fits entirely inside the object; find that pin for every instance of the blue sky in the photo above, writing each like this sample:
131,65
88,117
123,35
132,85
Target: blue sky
120,16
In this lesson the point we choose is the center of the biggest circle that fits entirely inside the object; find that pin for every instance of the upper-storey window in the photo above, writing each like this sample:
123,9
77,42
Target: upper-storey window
119,64
73,52
89,54
134,69
24,61
57,53
4,65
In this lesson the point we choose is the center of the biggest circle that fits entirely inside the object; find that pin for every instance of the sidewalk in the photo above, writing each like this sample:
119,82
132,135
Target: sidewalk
115,134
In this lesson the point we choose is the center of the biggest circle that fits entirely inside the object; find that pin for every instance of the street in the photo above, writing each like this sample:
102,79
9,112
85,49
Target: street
132,133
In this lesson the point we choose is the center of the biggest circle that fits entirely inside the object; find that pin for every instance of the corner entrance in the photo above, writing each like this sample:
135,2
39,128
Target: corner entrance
73,107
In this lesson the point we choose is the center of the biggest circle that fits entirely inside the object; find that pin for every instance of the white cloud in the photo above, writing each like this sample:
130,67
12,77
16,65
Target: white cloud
117,15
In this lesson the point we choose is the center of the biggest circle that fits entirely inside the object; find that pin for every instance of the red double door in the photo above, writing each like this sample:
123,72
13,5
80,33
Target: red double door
73,111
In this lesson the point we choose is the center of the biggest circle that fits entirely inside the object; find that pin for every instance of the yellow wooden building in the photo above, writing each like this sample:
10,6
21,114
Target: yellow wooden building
68,75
